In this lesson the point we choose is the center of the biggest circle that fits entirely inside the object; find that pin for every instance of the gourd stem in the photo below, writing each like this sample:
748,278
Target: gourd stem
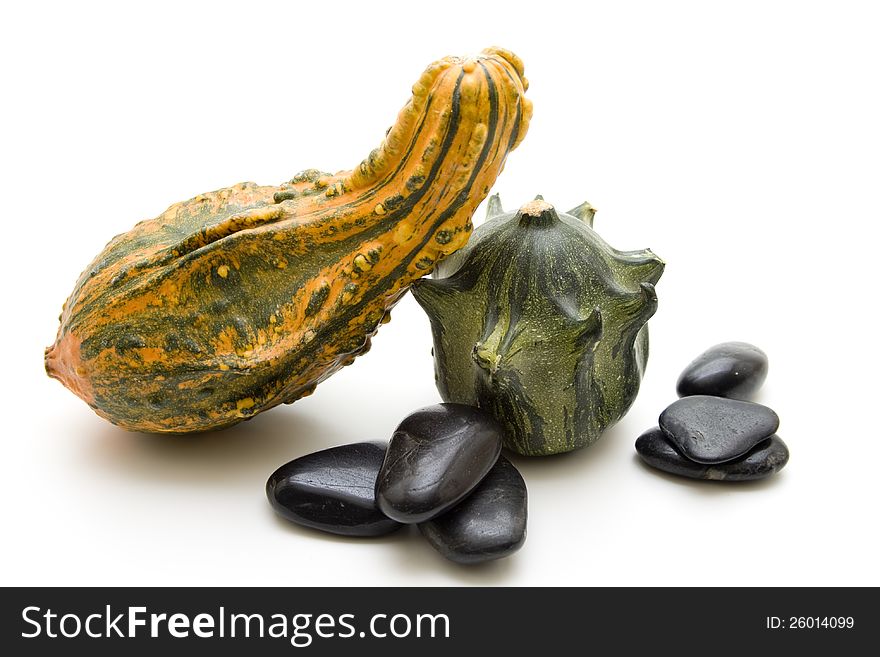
537,213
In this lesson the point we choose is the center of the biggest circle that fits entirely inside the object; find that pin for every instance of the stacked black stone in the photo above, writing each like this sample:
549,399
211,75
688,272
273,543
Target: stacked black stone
713,432
442,471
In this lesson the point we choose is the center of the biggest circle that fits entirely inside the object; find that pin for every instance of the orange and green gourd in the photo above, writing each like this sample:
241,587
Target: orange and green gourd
247,297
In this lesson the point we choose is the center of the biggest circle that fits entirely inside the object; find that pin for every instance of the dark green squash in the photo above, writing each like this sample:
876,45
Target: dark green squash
538,320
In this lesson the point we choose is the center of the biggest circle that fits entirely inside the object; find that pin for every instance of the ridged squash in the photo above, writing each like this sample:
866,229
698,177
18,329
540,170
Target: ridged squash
542,323
247,297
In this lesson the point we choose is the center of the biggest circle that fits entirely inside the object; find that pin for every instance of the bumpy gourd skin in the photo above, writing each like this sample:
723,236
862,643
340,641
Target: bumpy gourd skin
247,297
541,322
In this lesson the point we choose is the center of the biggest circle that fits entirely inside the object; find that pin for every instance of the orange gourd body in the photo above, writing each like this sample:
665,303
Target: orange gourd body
247,297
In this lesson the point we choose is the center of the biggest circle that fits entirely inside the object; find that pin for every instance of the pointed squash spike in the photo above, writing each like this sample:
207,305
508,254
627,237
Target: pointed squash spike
539,198
642,266
486,358
645,265
585,212
435,295
589,331
493,209
640,306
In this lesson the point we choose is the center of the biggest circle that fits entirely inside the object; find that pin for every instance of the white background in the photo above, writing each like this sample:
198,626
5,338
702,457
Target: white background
740,141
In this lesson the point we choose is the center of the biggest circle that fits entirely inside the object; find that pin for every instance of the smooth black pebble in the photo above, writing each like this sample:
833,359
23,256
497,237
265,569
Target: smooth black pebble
731,369
489,524
714,429
764,459
436,456
333,490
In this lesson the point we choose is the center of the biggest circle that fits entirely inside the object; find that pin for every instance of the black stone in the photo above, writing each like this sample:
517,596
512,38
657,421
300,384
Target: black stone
332,490
714,430
731,369
436,456
764,459
488,524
